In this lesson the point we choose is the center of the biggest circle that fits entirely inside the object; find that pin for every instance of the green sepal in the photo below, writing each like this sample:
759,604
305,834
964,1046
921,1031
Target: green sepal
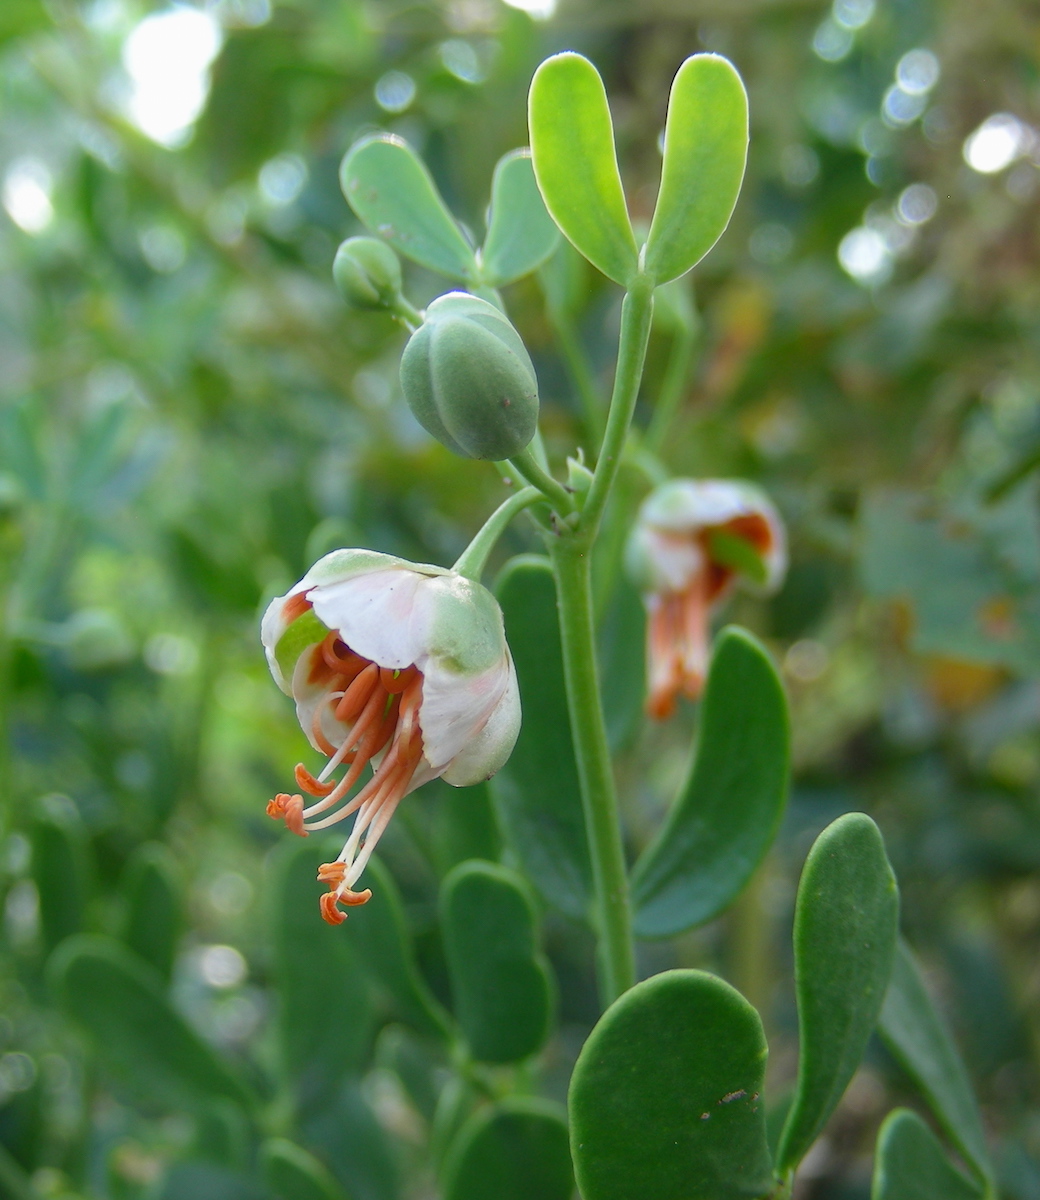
305,631
572,144
738,553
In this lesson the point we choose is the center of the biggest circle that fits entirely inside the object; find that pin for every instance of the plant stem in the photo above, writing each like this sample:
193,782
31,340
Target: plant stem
527,467
571,561
473,559
636,312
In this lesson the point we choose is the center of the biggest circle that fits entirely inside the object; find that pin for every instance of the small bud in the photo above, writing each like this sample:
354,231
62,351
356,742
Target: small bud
367,273
469,381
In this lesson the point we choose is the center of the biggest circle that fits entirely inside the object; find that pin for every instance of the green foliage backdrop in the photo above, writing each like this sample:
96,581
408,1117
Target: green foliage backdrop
189,416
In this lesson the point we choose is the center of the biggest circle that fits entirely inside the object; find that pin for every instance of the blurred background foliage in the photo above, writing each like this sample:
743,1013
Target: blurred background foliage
189,416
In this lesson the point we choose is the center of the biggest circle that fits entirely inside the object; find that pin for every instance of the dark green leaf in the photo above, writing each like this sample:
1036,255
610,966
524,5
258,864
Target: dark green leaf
910,1164
61,867
388,187
151,888
917,1035
727,814
515,1150
537,792
500,982
705,149
319,1040
665,1097
572,142
378,933
845,929
293,1174
521,234
119,1001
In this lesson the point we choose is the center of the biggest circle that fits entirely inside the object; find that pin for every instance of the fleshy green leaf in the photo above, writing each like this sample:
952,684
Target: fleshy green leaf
521,234
515,1150
705,149
845,931
537,792
392,192
728,811
381,940
500,982
293,1174
918,1037
319,1042
61,867
665,1096
154,907
119,1001
910,1164
572,143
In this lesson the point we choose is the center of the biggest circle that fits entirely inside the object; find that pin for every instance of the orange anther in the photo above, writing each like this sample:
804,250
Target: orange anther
396,681
306,780
329,911
288,809
332,873
294,607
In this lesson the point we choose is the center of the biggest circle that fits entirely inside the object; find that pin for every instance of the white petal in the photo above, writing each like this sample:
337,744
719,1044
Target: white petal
484,753
378,615
455,708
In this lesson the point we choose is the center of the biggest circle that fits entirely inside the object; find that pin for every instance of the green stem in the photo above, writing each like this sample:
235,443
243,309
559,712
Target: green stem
473,559
636,313
528,468
616,959
409,316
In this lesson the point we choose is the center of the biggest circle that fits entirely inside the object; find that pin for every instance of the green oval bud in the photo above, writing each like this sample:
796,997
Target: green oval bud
367,273
469,381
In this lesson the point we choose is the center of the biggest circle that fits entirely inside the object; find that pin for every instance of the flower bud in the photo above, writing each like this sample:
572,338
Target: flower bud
367,273
469,381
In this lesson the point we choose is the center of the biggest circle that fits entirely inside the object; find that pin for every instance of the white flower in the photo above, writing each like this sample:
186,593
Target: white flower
401,665
691,541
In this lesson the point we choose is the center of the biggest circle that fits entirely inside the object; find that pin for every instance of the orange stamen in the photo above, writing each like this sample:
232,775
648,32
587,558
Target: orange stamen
306,780
288,809
295,607
356,697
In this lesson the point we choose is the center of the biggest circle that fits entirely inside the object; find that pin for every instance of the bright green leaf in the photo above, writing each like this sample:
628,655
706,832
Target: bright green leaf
918,1037
705,149
727,814
515,1150
665,1099
572,143
521,235
537,792
119,1001
910,1164
392,192
845,931
731,551
500,982
293,1174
